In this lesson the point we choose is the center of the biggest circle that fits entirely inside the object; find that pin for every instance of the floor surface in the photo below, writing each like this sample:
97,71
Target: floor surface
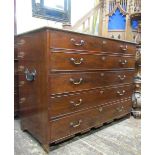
122,137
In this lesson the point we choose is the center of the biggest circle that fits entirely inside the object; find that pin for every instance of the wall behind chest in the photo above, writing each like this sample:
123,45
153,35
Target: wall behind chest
26,22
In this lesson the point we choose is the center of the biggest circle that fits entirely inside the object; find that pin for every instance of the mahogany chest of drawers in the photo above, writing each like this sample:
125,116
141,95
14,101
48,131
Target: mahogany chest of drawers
72,82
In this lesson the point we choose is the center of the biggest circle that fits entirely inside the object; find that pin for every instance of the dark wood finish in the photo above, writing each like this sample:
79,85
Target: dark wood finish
84,120
83,80
73,102
68,61
89,43
54,103
16,91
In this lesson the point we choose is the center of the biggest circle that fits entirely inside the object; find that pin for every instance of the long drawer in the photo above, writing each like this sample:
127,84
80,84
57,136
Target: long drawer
70,103
70,61
70,82
78,122
68,40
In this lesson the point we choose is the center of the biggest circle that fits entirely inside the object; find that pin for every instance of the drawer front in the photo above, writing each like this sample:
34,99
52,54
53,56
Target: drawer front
68,61
64,104
72,124
70,82
66,40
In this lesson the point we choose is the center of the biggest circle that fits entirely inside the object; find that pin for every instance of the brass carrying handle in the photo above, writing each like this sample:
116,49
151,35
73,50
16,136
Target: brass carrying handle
120,109
76,61
30,76
124,47
76,82
121,94
76,125
76,104
121,77
123,62
81,43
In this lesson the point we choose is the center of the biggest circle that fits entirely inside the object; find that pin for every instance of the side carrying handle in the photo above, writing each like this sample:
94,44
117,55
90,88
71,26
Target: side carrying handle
30,76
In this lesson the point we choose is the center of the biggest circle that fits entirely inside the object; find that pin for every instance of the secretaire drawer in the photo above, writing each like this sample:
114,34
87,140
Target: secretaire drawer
68,61
70,103
71,82
68,40
78,122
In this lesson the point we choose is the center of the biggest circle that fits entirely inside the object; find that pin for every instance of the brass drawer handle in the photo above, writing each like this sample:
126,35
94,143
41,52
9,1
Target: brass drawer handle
123,62
21,83
101,91
120,109
22,100
100,109
121,77
76,61
121,94
124,47
76,82
77,104
81,43
76,125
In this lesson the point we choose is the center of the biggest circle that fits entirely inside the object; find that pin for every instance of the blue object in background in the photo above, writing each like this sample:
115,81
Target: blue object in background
117,21
134,24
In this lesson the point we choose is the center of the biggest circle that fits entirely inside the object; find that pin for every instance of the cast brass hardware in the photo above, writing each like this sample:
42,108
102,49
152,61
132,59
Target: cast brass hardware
103,58
30,76
100,109
76,82
124,47
81,43
77,104
102,74
121,94
121,77
101,91
76,61
123,62
120,109
72,124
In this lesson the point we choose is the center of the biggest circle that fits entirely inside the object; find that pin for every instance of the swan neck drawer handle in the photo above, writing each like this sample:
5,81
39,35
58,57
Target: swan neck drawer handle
76,125
121,77
100,109
123,62
124,47
76,104
76,82
81,43
76,61
120,109
121,94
